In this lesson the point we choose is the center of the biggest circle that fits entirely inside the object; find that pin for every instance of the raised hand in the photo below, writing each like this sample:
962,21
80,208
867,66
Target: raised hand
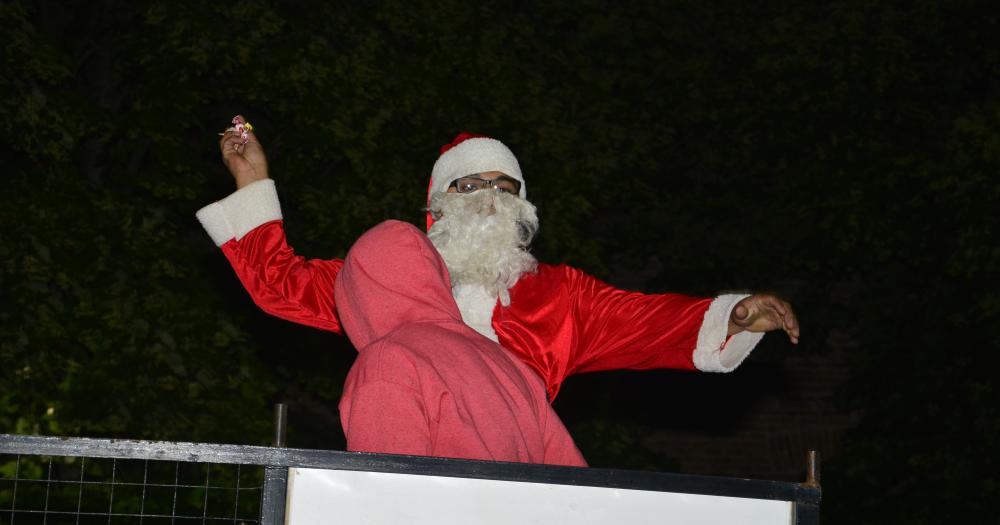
243,157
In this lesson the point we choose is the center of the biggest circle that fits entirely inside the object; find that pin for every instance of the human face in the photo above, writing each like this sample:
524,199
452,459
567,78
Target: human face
509,184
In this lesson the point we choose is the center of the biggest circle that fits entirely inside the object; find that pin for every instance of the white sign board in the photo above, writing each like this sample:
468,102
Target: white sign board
317,496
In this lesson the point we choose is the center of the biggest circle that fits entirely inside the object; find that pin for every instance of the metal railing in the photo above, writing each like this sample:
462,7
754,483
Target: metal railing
82,480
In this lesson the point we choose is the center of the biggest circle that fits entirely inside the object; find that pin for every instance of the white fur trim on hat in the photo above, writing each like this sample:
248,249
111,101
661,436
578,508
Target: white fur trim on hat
474,155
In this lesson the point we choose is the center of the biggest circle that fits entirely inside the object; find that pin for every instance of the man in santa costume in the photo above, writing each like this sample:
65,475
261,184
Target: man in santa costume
556,319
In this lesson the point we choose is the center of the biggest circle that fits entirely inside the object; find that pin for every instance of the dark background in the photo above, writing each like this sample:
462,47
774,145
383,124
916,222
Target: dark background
842,154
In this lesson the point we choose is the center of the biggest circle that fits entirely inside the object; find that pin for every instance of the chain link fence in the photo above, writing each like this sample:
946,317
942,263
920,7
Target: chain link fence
82,490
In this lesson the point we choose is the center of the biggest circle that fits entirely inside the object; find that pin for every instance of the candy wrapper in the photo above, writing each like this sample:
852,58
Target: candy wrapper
242,127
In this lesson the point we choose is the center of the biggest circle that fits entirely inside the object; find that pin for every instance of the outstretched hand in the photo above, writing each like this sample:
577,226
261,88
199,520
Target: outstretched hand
763,313
246,162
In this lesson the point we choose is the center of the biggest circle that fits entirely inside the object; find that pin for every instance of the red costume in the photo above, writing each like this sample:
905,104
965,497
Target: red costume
560,321
425,383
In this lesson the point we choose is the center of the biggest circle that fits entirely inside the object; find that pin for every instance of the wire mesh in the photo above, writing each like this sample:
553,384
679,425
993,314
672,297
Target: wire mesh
81,490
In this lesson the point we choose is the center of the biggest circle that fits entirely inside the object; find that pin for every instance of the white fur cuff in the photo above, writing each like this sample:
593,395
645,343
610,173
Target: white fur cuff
242,211
709,354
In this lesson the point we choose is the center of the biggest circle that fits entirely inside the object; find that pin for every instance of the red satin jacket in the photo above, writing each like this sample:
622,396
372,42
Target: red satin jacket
560,321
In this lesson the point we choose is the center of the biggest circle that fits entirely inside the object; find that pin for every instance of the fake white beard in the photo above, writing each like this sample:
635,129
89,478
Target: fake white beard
483,238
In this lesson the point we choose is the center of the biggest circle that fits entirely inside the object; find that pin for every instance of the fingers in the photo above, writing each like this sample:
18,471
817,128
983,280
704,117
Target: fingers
240,127
772,302
784,317
769,313
230,144
232,141
791,324
252,139
244,129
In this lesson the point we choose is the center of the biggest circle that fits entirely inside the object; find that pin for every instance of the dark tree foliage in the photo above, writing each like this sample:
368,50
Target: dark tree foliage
844,154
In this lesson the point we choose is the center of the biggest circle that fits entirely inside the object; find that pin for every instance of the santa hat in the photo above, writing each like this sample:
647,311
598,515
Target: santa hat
469,154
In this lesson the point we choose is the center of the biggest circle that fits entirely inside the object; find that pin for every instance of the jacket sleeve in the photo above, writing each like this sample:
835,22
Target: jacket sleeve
621,329
247,226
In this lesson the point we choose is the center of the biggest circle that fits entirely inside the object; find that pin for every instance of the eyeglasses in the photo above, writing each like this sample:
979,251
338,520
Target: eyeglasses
502,183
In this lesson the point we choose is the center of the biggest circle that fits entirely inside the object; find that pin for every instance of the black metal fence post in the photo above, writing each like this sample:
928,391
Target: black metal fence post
808,511
272,506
